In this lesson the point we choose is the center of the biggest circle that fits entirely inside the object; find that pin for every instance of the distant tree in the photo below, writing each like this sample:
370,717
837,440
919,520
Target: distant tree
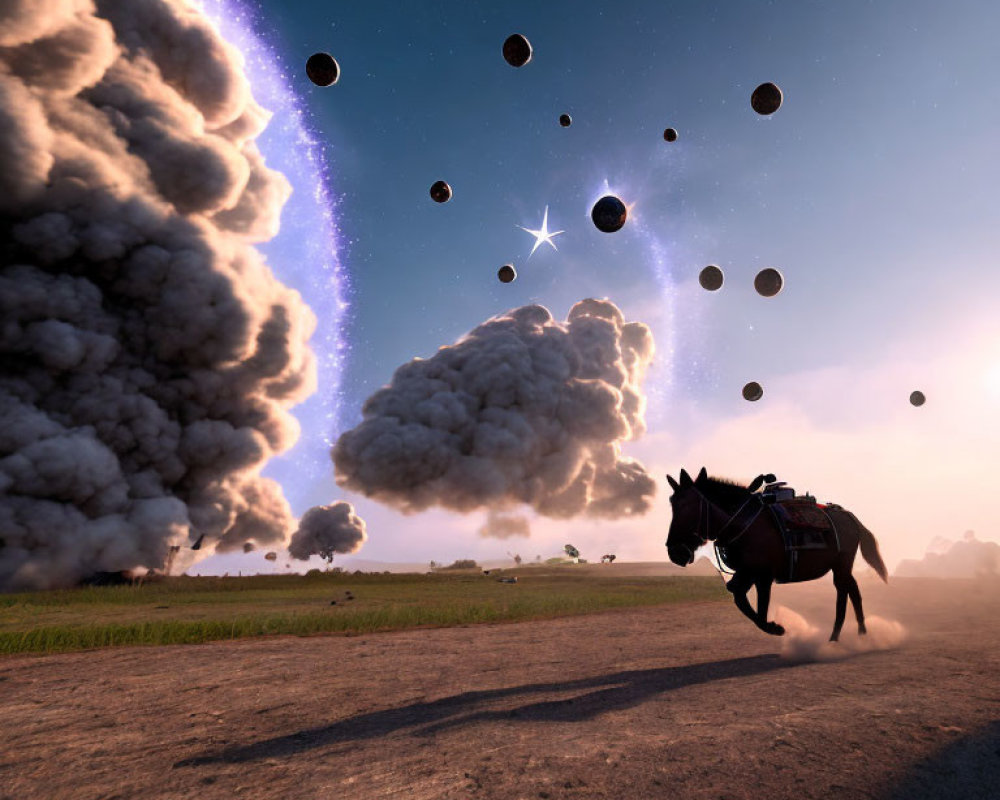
434,565
517,559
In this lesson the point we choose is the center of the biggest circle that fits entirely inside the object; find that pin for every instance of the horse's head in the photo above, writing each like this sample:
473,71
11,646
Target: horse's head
685,504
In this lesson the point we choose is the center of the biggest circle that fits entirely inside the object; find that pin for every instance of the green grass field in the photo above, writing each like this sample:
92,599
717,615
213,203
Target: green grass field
185,610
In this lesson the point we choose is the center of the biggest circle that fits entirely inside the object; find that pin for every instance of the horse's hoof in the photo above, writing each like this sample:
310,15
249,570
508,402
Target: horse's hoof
774,629
862,630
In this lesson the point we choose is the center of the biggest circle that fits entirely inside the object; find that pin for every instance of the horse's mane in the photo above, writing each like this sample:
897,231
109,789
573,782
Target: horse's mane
725,490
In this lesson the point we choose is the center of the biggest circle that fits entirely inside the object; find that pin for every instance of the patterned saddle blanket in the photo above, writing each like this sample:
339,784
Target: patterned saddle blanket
804,525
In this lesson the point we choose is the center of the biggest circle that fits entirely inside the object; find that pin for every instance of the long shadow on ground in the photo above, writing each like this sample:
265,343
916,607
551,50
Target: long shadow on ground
968,768
619,690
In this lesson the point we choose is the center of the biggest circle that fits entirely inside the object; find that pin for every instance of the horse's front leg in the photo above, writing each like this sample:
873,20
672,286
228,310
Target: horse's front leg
739,585
763,600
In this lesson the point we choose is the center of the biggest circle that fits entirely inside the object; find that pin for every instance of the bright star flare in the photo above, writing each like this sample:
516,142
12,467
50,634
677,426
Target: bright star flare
542,235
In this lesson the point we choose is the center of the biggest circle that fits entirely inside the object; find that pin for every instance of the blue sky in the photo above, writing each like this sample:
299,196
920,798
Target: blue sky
873,190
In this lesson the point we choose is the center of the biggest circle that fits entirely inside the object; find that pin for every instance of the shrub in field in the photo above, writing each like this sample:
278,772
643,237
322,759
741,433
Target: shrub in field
462,563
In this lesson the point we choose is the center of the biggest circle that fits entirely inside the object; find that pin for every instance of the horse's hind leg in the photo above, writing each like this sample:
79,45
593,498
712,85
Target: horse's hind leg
855,594
840,582
763,600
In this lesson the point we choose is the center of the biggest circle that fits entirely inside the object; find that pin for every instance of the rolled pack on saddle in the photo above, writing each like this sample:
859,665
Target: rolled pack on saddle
803,523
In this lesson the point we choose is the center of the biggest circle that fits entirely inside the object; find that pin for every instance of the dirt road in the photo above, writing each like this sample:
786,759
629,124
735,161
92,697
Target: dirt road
685,701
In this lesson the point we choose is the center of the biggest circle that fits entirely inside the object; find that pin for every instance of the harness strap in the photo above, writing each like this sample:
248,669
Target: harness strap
743,518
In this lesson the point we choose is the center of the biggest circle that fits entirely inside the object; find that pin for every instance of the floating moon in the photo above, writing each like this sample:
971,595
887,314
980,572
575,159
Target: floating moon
670,135
565,120
752,392
609,214
766,99
917,398
768,282
323,69
506,273
516,50
440,192
711,278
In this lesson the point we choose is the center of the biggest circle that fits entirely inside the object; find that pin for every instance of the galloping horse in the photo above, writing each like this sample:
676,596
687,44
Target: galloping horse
710,509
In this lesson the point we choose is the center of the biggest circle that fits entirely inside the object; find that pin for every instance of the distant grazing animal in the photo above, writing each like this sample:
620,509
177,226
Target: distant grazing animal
764,539
608,559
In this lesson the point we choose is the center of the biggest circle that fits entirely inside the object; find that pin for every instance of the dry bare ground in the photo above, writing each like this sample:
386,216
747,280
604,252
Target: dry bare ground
686,701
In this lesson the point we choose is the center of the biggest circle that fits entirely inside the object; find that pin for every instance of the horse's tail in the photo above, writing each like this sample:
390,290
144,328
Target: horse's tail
869,550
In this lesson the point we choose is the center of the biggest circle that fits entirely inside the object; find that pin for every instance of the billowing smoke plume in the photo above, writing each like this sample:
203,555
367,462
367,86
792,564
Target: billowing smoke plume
521,410
503,526
326,530
148,355
969,558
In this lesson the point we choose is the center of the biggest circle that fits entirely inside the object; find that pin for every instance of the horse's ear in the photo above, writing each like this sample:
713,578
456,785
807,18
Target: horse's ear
685,478
702,476
673,484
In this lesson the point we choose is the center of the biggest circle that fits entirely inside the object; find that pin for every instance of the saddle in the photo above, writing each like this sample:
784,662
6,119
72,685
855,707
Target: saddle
804,524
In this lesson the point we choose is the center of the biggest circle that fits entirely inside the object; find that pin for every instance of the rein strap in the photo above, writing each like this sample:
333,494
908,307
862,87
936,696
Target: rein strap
749,511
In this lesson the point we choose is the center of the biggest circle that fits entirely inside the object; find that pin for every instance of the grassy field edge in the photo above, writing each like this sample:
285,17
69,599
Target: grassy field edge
395,610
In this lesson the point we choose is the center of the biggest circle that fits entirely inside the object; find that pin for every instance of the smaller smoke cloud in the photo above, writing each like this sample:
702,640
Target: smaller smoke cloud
523,409
803,641
969,558
327,530
503,526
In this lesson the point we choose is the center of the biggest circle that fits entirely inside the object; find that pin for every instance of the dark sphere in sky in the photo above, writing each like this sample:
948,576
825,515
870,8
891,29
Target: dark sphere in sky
670,135
516,50
752,392
609,214
322,69
768,282
711,278
565,120
440,192
506,273
917,398
766,99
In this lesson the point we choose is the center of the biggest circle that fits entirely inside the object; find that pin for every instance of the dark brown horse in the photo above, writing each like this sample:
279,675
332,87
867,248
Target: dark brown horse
736,519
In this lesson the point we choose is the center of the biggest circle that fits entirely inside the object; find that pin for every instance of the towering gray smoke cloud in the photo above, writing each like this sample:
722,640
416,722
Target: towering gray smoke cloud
326,530
148,355
503,526
523,409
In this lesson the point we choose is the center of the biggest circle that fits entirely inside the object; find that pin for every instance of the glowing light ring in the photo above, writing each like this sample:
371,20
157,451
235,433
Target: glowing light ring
301,255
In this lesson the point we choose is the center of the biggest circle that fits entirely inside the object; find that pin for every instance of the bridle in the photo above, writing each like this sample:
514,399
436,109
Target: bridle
752,505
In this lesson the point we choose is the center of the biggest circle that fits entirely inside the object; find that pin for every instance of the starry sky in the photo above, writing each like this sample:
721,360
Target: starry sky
872,189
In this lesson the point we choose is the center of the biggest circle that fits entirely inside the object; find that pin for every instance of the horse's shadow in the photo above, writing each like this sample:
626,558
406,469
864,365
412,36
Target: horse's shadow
606,693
